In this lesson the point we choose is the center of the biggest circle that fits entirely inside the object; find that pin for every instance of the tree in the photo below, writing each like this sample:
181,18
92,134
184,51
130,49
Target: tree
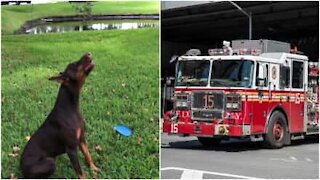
83,8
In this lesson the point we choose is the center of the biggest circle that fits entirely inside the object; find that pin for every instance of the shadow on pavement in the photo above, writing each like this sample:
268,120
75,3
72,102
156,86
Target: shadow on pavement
235,145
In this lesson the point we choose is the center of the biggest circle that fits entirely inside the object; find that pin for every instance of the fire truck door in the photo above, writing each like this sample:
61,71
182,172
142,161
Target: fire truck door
297,104
260,99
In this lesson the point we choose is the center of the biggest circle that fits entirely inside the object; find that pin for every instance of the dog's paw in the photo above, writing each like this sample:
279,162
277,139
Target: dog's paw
82,176
94,168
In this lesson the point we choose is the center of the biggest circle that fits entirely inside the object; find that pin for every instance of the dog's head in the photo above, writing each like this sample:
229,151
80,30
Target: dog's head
76,73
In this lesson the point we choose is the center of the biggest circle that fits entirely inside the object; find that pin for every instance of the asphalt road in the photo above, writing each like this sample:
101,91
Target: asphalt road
185,158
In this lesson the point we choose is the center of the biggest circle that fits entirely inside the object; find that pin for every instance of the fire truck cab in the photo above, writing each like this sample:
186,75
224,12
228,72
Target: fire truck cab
255,89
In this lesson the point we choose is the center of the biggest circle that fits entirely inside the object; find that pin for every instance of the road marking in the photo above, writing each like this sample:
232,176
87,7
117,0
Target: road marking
293,158
206,172
309,160
282,159
191,174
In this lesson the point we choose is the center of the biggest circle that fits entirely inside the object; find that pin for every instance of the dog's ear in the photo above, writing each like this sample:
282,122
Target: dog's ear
61,78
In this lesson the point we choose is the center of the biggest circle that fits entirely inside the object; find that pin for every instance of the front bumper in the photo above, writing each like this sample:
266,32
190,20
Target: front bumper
206,129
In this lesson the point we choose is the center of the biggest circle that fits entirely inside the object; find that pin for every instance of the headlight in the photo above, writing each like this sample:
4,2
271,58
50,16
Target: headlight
233,102
182,104
182,101
232,105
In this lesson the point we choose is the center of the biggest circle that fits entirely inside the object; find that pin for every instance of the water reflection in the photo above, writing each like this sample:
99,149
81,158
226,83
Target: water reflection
93,25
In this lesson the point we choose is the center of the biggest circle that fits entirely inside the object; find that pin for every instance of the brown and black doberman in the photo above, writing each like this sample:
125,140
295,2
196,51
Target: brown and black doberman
63,130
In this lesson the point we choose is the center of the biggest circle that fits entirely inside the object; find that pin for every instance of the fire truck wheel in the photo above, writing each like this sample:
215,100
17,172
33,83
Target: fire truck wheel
276,132
208,141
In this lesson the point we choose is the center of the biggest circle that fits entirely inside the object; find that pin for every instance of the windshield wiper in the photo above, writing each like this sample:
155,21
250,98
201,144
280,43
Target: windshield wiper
192,82
216,82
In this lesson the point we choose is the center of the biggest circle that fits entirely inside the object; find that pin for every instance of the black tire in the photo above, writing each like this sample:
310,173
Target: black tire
277,131
208,141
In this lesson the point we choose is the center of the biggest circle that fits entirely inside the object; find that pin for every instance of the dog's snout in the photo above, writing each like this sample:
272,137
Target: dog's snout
89,56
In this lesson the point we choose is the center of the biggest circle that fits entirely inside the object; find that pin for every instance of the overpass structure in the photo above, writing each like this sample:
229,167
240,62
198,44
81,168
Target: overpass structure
205,24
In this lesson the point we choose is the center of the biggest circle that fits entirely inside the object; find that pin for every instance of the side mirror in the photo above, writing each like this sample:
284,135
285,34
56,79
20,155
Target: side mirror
168,81
173,58
262,71
262,74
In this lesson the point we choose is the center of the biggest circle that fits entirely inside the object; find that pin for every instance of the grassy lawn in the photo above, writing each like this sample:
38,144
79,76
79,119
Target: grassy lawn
122,89
13,17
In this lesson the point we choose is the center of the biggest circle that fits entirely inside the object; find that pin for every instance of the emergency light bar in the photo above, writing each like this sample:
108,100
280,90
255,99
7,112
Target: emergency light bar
216,52
246,51
242,51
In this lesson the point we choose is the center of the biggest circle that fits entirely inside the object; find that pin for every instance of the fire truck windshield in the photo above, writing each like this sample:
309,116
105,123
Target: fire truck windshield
193,73
231,73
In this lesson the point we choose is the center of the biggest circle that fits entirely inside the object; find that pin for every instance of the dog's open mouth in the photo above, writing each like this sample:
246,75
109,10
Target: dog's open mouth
87,60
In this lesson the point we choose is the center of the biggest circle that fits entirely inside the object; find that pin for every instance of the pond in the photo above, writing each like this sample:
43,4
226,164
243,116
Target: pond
92,25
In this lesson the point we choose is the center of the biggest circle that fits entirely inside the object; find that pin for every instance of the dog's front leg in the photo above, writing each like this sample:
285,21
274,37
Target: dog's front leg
86,153
73,156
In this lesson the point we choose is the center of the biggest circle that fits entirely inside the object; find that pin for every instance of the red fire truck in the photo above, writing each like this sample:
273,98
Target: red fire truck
260,89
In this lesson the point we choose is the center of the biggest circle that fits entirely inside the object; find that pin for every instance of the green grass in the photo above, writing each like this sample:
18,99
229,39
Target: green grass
13,17
122,89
